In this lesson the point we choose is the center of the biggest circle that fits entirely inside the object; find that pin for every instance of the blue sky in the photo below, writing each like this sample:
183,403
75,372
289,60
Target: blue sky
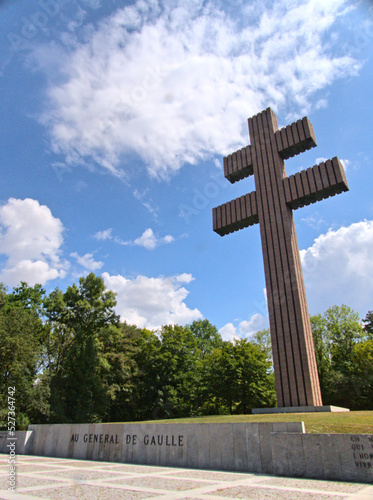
116,117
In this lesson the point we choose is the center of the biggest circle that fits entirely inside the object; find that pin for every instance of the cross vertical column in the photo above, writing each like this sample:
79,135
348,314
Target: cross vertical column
271,205
292,343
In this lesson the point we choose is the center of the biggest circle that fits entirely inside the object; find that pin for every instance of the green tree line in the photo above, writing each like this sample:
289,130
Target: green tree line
71,359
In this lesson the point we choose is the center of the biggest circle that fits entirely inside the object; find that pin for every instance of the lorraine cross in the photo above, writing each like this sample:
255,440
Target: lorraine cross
271,205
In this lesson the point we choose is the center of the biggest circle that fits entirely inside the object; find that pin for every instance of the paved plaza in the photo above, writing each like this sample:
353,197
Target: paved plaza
67,479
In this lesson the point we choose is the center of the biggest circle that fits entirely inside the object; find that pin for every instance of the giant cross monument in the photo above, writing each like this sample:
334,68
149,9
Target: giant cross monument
271,205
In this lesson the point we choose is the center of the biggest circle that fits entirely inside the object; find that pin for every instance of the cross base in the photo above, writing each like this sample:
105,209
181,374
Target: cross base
299,409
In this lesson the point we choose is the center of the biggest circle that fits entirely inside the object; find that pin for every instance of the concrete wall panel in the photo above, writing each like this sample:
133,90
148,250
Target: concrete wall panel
269,448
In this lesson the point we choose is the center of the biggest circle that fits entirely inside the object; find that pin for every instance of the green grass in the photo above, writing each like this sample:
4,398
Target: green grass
354,422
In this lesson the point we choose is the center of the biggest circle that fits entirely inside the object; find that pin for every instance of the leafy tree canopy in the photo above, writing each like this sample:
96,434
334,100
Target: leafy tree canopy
368,324
340,340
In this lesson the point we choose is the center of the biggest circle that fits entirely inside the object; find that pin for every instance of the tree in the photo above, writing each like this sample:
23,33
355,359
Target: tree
171,367
336,335
31,298
118,370
262,339
79,319
149,380
240,377
362,379
321,340
207,336
368,324
344,331
179,362
22,341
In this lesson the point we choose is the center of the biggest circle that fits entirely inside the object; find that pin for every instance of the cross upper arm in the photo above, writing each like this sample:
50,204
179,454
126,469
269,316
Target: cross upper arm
295,138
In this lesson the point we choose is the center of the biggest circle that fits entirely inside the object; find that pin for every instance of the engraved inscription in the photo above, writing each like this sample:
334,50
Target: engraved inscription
362,454
131,439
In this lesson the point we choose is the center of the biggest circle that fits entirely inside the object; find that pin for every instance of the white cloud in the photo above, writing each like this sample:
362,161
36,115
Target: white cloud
31,239
103,235
151,302
256,323
29,271
87,261
146,201
316,221
185,278
162,80
346,164
229,332
338,268
245,328
149,241
93,4
168,239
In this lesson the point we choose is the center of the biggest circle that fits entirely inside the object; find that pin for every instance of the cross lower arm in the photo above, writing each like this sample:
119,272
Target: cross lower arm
314,184
321,181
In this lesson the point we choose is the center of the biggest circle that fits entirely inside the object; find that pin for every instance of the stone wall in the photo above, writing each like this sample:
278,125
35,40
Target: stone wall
269,448
21,442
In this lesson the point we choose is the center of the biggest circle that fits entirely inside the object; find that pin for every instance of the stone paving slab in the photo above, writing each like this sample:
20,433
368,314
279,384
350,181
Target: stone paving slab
133,469
255,493
81,474
162,483
88,492
35,468
208,475
336,487
66,479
